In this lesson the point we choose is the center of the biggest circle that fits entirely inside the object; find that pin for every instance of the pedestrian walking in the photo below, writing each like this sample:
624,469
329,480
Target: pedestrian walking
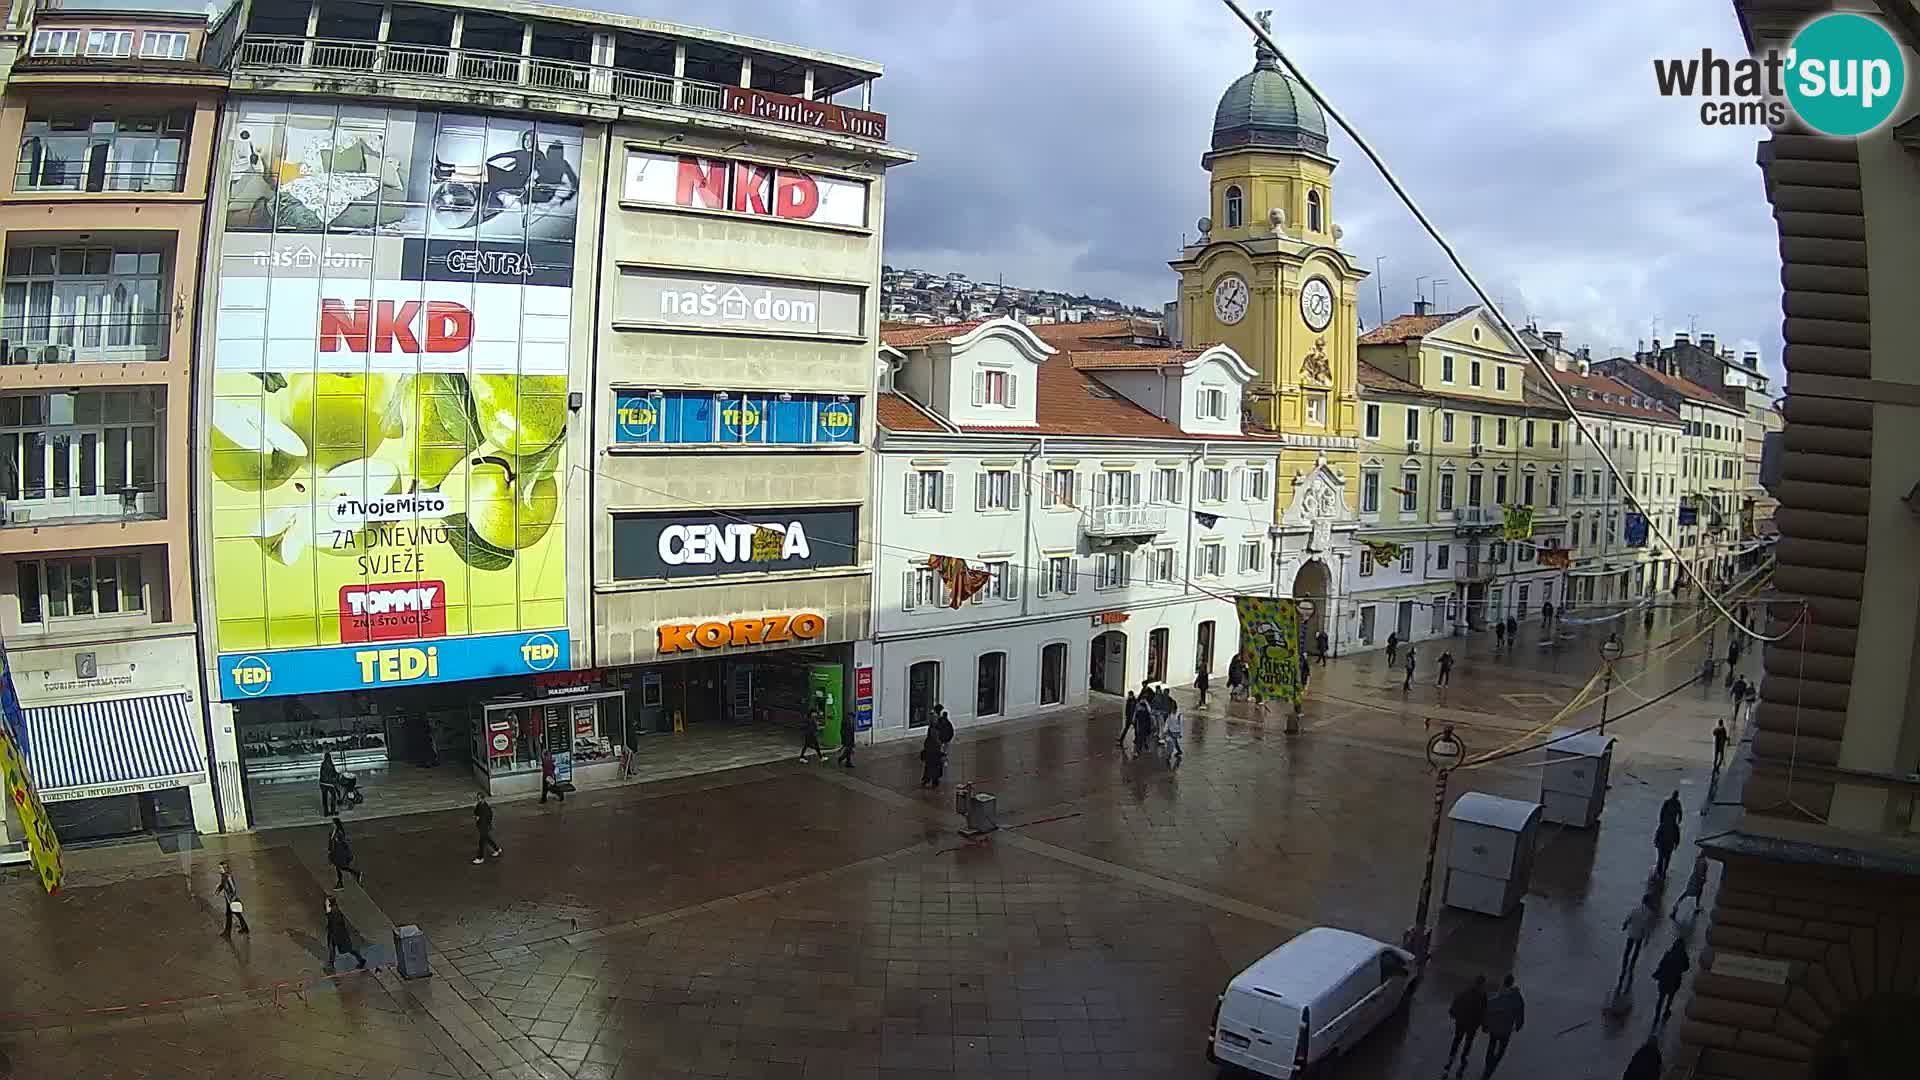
1506,1014
847,733
1200,681
1648,621
340,854
1411,661
1546,611
810,736
1143,723
1646,1063
1638,924
483,825
1320,645
1513,631
1469,1011
1393,646
1499,634
340,936
1236,678
230,897
1671,809
1446,667
1733,650
1696,886
1737,693
933,757
548,771
1126,714
1176,726
1719,744
1667,976
1665,839
329,785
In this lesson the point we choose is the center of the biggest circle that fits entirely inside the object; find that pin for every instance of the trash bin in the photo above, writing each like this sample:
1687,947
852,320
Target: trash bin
410,952
1490,852
982,812
1573,779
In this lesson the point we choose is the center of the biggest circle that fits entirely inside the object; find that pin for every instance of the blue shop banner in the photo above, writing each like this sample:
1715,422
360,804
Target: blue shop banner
693,417
381,664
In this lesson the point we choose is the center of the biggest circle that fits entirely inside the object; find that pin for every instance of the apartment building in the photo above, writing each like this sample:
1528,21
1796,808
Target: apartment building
111,112
1610,525
1740,381
1463,479
1108,500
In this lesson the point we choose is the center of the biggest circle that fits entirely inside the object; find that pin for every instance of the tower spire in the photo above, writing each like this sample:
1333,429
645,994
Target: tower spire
1264,57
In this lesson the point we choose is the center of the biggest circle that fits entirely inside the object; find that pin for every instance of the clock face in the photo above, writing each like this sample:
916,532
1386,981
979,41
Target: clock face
1316,303
1230,299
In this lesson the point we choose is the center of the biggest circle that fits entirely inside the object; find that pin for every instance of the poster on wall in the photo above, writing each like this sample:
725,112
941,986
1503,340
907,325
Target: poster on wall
1270,644
389,417
17,787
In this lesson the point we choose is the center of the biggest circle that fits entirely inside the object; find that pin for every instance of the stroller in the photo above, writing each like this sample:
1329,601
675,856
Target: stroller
350,793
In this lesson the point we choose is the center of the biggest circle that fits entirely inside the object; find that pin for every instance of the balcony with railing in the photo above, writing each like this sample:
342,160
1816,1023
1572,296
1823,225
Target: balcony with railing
1123,522
1471,518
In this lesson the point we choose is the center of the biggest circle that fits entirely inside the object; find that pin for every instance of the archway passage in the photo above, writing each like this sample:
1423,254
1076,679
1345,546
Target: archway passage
1107,663
1311,583
1872,1041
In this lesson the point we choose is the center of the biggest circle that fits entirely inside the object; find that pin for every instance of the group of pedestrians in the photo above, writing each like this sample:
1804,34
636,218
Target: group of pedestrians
1506,634
1499,1013
335,930
815,723
1153,715
933,749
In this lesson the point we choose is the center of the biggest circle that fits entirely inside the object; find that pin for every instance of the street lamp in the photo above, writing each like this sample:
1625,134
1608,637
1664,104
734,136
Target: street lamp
1610,651
1445,752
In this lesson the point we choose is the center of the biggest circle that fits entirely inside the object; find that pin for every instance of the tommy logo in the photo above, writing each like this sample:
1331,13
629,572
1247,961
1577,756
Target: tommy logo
393,612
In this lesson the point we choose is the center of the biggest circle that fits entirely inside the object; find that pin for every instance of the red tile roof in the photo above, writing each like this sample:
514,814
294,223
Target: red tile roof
1683,386
1587,393
1121,359
1102,334
898,414
1401,327
1375,378
908,335
1072,402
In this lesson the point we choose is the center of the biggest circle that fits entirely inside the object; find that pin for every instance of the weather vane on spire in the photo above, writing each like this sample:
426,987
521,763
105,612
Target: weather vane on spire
1261,53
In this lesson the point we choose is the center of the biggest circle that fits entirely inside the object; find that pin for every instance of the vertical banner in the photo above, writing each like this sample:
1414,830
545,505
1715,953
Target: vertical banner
1518,523
1270,644
390,403
43,846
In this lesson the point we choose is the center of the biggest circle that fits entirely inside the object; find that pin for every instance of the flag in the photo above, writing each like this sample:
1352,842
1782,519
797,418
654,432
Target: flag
1519,522
1207,521
1384,551
43,846
1270,643
963,583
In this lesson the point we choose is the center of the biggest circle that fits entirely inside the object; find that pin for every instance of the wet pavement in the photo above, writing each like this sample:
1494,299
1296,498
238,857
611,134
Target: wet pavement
790,920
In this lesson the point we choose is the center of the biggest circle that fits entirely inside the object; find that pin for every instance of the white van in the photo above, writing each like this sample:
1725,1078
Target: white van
1306,1001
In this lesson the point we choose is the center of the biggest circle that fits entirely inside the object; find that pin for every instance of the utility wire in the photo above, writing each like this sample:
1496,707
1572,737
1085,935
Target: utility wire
1493,308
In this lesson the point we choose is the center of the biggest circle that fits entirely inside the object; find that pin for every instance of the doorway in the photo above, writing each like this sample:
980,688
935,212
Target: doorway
1203,648
1311,584
1157,642
1404,620
1366,624
1053,673
990,685
923,692
1107,663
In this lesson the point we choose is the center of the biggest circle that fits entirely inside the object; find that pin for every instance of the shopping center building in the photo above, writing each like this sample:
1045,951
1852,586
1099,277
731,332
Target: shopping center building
539,372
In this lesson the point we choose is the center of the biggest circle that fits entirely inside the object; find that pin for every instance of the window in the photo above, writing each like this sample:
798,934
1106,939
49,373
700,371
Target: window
1213,560
1579,435
1528,439
1500,431
1213,404
1254,484
80,454
996,489
923,692
929,491
1473,489
1053,673
110,43
1442,556
1553,431
1114,570
993,388
1316,408
1373,421
734,418
1446,491
1003,583
1236,208
1370,491
1060,485
85,303
1409,492
1553,489
1478,426
1166,485
158,45
1160,565
56,42
1613,486
1593,530
990,684
1213,485
1117,487
1366,562
1500,490
1413,424
1252,558
1593,485
87,587
1473,373
1406,558
1579,485
1526,491
1446,427
1613,439
924,589
1499,376
1313,211
1057,578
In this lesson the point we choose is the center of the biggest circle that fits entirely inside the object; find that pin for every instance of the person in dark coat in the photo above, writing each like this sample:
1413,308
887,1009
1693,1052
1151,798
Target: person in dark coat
1446,668
1719,744
1665,839
942,725
1546,611
1126,716
1320,645
1469,1011
1646,1063
847,732
230,895
810,736
1393,646
1236,678
340,936
933,757
329,785
1200,683
1499,634
1143,722
1513,631
548,770
340,854
1667,976
1506,1014
1672,809
483,824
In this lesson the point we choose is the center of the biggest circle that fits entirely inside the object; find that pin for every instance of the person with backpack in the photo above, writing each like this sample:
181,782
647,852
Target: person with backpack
1506,1014
1468,1011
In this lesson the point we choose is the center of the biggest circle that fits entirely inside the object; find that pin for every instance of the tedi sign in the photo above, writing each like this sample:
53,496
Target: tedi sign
1843,75
700,544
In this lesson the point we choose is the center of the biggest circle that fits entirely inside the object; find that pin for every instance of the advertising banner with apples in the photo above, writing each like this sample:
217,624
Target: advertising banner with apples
387,438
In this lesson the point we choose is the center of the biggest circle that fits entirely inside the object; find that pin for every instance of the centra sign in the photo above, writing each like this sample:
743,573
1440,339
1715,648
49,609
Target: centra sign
768,543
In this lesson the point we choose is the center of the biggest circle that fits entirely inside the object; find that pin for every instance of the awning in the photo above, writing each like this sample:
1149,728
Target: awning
104,744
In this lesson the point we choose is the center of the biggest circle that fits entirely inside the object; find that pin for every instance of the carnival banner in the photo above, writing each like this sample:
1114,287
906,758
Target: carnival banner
43,846
1556,558
1270,644
1519,523
1385,552
962,582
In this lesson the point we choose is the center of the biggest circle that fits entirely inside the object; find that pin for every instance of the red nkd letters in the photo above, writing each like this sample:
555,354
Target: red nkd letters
384,326
756,189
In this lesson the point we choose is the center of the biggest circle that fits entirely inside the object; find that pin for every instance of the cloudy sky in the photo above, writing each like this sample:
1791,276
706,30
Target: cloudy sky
1060,145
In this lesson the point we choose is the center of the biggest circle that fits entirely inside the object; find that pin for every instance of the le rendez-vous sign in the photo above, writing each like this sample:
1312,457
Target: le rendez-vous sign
825,116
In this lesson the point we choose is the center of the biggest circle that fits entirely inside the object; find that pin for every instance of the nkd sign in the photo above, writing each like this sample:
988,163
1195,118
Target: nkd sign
743,187
705,544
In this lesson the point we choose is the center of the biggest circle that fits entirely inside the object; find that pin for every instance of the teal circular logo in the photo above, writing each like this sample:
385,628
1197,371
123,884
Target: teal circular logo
1845,74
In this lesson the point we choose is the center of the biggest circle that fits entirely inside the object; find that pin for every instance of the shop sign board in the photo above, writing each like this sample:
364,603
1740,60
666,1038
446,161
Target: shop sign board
389,396
739,304
743,187
500,736
17,787
863,698
1108,618
559,742
101,791
787,109
772,629
364,667
698,543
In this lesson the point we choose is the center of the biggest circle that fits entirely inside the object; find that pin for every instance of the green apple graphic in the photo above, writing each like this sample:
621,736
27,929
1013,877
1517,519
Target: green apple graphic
507,509
521,415
445,431
343,416
286,532
253,450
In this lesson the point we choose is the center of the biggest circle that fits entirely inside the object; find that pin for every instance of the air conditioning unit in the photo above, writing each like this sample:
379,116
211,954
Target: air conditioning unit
20,354
1413,446
56,354
1475,449
18,515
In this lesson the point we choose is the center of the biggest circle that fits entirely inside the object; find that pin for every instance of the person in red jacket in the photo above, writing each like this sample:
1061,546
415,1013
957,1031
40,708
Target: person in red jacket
546,778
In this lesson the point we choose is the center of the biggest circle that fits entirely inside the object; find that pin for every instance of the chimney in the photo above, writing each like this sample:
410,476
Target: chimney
1421,307
1553,339
1752,359
1679,340
1707,343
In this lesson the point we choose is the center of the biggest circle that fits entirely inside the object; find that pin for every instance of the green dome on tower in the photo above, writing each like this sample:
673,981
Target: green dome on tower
1266,108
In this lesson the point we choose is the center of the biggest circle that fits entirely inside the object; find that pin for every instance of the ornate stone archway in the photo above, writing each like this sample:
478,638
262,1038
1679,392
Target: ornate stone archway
1313,582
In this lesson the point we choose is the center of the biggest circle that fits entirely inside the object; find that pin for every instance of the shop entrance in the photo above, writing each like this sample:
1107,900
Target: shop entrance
702,715
1107,663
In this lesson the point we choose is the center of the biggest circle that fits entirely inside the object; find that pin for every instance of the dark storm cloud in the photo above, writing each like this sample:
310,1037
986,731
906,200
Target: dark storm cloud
1060,143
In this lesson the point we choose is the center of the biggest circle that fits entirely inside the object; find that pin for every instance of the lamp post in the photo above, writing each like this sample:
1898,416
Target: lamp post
1610,651
1445,752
